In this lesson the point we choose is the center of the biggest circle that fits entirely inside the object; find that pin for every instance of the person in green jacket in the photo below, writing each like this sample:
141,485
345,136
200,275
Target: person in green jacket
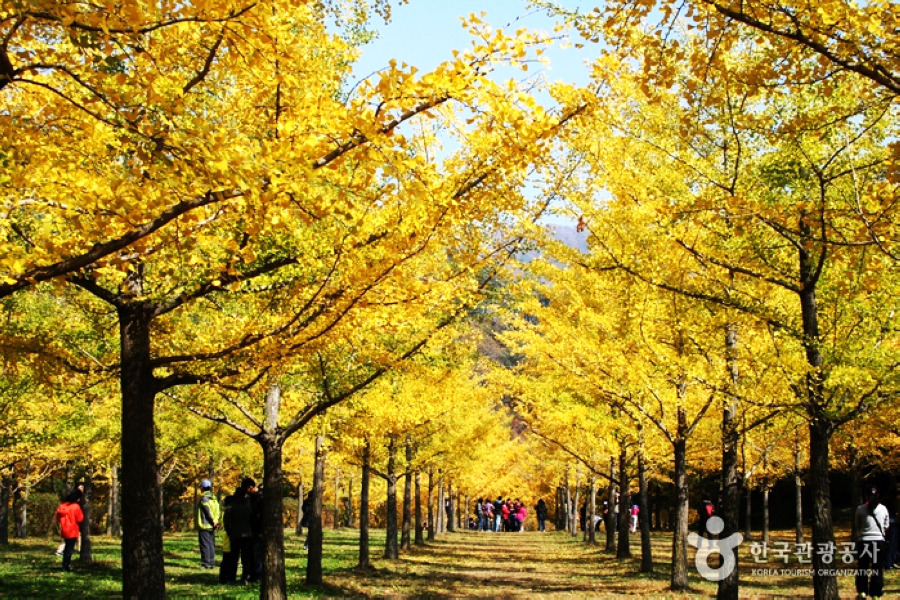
207,522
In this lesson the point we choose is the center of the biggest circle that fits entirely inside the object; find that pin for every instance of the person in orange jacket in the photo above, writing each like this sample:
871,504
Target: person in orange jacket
70,516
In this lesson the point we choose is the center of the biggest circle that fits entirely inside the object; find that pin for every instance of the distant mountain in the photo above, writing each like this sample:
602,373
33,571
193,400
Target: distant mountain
567,234
570,236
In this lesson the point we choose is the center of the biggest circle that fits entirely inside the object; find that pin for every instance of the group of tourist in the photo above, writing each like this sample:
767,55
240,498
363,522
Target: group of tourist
241,517
506,515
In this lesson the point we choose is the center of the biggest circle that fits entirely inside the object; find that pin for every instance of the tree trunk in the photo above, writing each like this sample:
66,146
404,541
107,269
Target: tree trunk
856,493
6,484
560,516
568,503
729,509
406,530
274,581
821,427
610,503
623,549
298,528
314,554
351,513
592,534
431,493
20,507
765,527
143,570
748,507
824,585
441,513
86,554
576,509
391,551
679,581
462,510
420,538
451,526
113,528
364,560
337,499
798,497
644,515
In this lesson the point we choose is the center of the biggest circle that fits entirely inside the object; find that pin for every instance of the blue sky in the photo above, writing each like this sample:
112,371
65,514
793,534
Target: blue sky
423,33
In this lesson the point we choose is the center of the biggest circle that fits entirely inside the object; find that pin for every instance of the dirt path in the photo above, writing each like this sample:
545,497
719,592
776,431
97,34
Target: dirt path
509,565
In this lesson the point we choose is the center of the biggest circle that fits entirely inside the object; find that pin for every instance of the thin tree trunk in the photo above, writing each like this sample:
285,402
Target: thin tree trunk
351,513
431,500
679,581
610,503
798,489
314,554
113,527
592,534
748,507
336,509
729,508
6,484
391,551
560,516
143,570
729,587
568,503
20,506
86,553
821,425
644,513
856,493
298,528
364,560
441,513
765,527
420,537
623,549
451,526
406,529
576,514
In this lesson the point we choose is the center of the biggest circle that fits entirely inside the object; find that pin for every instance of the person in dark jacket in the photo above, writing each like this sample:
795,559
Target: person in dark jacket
255,499
238,527
305,518
540,511
230,552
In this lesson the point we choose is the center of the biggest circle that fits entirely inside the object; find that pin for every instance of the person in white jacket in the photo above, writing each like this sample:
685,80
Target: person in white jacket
872,521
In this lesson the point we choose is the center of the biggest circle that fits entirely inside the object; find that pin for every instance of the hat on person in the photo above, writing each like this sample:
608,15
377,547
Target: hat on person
206,484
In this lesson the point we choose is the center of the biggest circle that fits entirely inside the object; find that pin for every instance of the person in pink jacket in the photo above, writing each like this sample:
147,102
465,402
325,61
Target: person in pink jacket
521,514
70,516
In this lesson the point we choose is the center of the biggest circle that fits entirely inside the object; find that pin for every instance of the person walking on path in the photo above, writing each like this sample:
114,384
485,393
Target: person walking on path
540,511
872,521
207,522
70,516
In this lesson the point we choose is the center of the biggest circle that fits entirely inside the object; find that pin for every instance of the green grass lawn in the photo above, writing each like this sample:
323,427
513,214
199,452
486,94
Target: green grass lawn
465,564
